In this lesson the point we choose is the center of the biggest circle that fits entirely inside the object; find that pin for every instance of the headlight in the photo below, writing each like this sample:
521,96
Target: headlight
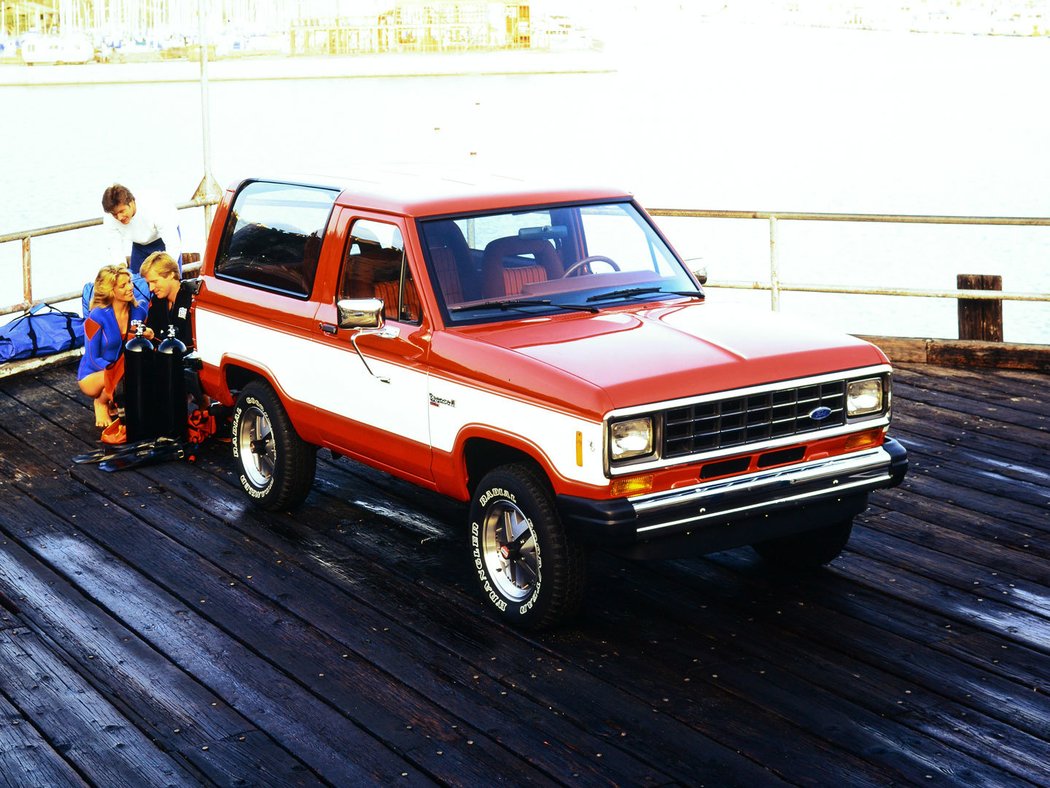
630,438
863,397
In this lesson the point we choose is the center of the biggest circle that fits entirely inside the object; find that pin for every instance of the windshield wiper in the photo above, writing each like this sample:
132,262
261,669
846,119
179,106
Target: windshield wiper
514,303
627,292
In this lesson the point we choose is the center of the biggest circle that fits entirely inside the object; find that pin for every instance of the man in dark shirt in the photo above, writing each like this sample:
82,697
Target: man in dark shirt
170,304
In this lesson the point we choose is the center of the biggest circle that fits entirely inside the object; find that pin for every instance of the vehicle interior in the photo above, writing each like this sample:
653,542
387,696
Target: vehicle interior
547,258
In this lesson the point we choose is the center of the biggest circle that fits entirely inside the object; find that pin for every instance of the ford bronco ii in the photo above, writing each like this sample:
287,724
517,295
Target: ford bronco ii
543,354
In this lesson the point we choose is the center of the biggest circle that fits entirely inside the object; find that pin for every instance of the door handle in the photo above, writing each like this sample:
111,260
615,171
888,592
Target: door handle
329,328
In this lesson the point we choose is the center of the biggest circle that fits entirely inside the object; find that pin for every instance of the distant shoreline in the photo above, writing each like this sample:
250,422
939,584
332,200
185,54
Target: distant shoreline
305,67
611,55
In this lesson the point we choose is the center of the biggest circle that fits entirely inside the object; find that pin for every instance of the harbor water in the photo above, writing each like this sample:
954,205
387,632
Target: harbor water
707,116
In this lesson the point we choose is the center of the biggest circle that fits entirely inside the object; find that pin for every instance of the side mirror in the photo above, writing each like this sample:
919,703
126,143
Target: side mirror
700,272
365,314
360,312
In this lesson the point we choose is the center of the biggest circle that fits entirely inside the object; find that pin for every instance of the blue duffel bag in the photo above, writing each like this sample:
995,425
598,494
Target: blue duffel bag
41,331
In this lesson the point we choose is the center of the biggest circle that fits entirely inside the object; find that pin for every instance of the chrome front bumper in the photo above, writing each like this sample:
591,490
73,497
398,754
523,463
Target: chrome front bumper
768,503
741,495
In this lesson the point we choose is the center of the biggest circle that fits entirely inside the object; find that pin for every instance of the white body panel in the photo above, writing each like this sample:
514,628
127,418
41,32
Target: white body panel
414,404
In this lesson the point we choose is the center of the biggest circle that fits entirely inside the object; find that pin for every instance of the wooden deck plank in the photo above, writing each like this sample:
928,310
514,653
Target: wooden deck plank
958,496
26,757
855,665
1001,565
929,632
98,740
953,431
889,667
1018,389
1000,411
171,707
1025,481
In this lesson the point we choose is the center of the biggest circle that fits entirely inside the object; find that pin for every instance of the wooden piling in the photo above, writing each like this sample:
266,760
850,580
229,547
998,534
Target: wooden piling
980,319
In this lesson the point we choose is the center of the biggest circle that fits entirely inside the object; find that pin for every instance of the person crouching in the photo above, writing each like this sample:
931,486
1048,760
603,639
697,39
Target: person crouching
113,308
171,299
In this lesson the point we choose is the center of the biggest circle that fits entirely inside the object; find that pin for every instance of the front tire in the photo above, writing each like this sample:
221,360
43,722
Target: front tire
807,550
277,467
530,570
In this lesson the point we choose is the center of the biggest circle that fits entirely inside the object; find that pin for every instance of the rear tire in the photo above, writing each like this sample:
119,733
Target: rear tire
276,466
807,550
531,571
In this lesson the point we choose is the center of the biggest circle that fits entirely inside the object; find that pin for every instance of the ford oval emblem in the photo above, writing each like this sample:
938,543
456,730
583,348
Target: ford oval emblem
819,414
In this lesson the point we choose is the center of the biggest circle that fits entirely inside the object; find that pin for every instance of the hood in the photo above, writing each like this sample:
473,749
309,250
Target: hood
665,352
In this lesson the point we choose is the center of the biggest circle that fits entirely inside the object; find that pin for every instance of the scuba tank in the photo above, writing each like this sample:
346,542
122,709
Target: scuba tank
138,386
171,387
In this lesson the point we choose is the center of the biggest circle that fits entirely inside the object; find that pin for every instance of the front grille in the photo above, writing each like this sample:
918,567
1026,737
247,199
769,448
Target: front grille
751,418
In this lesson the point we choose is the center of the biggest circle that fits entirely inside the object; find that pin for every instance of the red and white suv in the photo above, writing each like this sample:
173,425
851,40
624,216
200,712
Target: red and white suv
544,354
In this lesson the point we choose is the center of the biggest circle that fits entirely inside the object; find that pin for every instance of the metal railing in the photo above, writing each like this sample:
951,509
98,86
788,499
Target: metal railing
26,237
776,286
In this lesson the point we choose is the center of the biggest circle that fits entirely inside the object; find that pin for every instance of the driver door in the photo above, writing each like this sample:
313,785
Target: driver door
381,399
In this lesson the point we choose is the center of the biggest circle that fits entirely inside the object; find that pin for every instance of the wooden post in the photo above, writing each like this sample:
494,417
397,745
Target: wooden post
27,272
980,319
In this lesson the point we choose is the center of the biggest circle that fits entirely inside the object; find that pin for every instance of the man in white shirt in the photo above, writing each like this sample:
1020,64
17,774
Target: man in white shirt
146,223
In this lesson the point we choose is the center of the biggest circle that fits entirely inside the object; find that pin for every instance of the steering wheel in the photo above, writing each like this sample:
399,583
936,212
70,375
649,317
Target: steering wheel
594,258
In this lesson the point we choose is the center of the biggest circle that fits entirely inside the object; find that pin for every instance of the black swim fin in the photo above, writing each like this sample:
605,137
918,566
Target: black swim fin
162,450
118,450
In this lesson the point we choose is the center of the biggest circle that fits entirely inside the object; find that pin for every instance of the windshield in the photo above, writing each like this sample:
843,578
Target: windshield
547,259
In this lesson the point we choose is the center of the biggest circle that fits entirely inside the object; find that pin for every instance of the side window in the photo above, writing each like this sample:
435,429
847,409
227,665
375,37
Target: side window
273,237
375,267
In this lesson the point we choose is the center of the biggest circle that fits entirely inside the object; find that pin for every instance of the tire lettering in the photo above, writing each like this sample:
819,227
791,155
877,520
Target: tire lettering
495,599
479,565
252,491
235,428
535,596
474,542
488,495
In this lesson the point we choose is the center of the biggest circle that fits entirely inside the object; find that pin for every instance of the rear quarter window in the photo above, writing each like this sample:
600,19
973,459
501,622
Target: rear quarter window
273,237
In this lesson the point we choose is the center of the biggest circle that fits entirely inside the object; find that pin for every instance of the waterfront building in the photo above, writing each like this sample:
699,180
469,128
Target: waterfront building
302,27
18,17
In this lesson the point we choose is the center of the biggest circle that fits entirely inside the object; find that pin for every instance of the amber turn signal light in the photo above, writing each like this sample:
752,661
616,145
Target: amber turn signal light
631,485
862,440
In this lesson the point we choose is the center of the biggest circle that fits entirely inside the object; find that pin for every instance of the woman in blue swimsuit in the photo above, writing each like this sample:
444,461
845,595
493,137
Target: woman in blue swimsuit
113,307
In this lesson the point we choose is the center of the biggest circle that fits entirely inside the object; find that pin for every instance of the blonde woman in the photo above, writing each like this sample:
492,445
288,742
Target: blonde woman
113,307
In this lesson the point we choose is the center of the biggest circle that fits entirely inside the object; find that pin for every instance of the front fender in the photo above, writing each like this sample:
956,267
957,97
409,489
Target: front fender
479,448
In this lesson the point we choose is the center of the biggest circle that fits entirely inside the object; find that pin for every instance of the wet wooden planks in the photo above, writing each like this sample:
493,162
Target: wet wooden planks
155,630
